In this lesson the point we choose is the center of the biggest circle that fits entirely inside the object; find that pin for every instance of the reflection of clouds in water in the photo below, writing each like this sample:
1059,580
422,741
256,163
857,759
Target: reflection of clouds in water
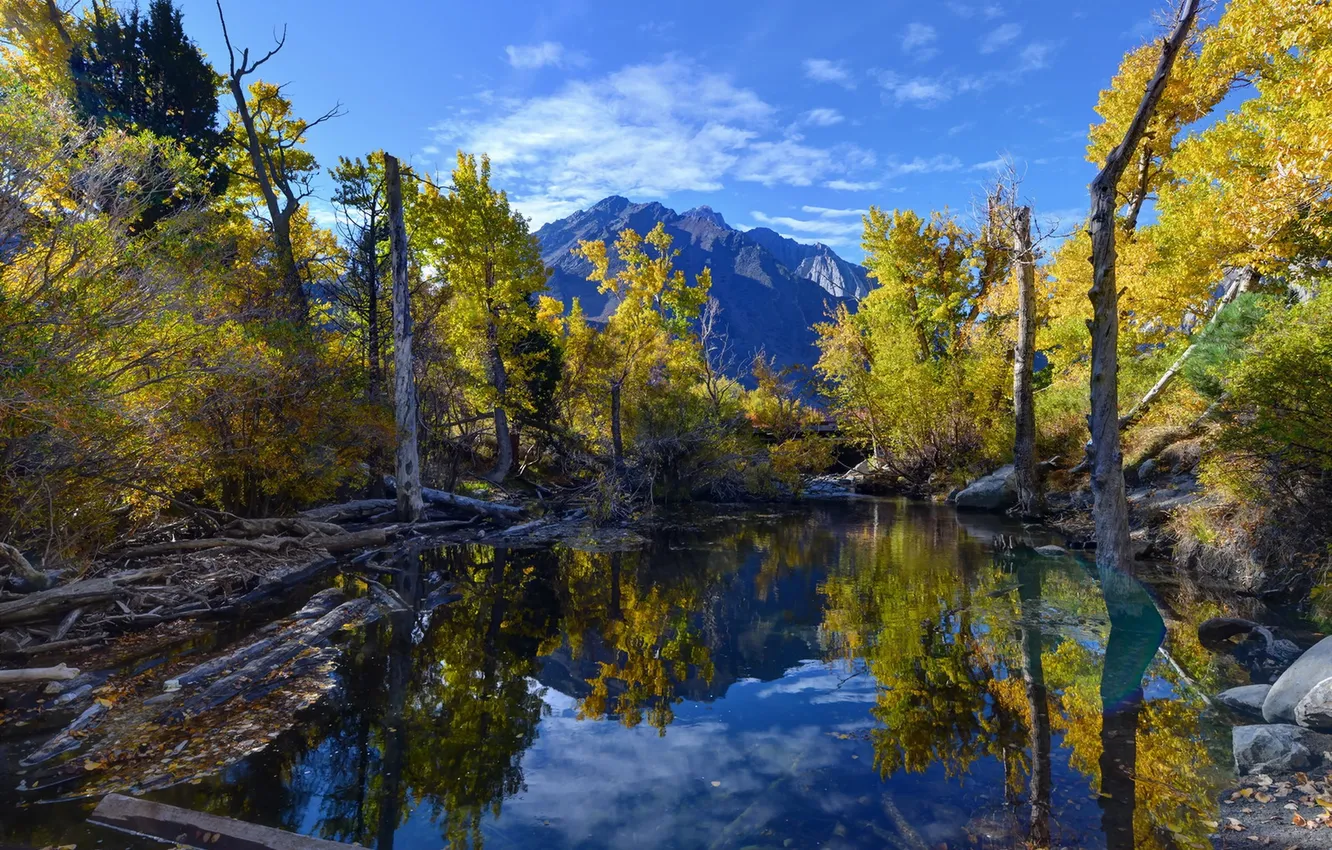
597,782
830,682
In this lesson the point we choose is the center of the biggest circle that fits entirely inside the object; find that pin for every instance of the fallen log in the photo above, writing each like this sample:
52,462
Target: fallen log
270,546
59,673
28,575
349,511
194,829
56,601
466,503
280,527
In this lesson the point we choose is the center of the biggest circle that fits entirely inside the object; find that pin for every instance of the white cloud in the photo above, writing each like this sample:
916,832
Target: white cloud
1000,37
1035,56
823,117
646,131
990,164
529,57
826,212
851,185
828,71
958,129
920,165
828,230
919,91
974,10
918,41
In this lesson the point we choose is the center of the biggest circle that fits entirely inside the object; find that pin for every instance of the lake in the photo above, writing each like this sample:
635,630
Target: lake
861,674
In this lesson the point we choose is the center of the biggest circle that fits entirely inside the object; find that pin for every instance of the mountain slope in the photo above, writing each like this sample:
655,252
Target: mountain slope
772,290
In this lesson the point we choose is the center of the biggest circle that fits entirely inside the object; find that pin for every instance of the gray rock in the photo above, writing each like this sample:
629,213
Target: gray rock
994,492
1052,551
1147,470
1314,711
1277,748
1246,700
1312,667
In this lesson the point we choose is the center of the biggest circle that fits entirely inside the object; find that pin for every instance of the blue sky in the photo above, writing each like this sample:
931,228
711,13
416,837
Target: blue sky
794,115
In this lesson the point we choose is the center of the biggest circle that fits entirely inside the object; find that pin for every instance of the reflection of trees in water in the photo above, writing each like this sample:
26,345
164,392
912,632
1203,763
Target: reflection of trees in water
969,669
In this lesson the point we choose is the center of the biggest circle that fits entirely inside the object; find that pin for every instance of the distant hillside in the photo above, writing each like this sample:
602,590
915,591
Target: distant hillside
772,289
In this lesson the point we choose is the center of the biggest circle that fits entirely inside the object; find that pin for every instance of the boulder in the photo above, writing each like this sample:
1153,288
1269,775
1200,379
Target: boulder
1310,669
1052,551
1246,700
994,492
1147,470
1314,711
1277,748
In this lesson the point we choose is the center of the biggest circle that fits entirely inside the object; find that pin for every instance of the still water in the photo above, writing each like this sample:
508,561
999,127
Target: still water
851,675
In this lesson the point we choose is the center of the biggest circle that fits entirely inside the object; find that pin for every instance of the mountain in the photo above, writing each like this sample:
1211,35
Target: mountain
772,290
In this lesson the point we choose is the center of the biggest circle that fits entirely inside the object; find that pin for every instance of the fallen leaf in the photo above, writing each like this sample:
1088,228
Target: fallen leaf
1298,820
1263,797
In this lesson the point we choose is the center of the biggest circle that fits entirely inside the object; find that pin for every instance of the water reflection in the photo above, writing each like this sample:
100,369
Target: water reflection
861,675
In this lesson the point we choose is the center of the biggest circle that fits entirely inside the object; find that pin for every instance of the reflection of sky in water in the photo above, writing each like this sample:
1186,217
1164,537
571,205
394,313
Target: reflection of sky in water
792,760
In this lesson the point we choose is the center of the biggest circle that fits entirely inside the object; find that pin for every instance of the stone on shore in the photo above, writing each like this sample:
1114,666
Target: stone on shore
994,492
1314,711
1310,669
1246,700
1277,748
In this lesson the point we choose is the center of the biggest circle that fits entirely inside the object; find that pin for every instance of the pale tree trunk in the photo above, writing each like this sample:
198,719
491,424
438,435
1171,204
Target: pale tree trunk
1110,508
1241,280
499,380
409,461
617,440
1031,500
1038,702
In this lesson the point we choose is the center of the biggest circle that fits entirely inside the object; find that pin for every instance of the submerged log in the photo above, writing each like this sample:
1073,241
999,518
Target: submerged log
59,673
56,601
67,739
258,671
195,829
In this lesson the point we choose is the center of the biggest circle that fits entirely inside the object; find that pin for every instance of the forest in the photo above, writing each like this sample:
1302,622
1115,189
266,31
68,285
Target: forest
180,338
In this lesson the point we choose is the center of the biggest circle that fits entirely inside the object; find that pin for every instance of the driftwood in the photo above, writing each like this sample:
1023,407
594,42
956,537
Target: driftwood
195,829
56,646
69,738
29,575
360,509
56,601
466,503
259,668
59,673
280,527
338,542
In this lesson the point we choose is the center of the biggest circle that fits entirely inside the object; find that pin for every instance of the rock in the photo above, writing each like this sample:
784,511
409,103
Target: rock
1214,633
994,492
1314,711
1142,542
1147,470
1246,700
1277,748
1052,551
1310,669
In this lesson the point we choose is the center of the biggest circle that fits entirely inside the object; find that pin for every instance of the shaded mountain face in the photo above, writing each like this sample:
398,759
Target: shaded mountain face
772,290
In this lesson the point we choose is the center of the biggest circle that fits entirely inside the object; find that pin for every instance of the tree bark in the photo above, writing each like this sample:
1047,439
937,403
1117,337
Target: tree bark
1114,551
1038,703
1031,499
1243,279
499,380
409,460
617,439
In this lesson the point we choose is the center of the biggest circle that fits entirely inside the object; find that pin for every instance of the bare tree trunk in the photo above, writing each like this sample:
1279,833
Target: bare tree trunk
1140,193
409,460
1110,509
372,330
617,441
1242,280
499,380
1038,703
32,577
1031,499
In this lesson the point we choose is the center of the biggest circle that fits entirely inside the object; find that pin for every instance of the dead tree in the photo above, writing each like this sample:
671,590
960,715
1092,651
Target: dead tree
1114,553
271,174
1031,499
409,459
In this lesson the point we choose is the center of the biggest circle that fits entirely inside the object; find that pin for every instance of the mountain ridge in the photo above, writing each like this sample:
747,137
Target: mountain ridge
772,289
